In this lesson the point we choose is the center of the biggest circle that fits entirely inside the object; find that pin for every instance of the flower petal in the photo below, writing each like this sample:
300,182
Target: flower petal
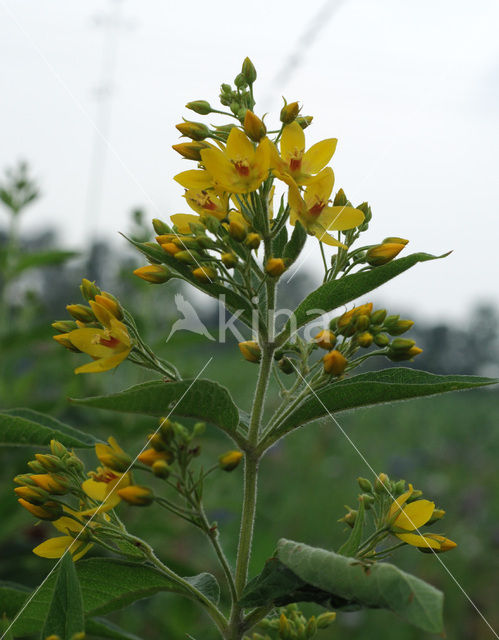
55,547
104,364
416,540
66,524
239,146
293,139
414,515
194,179
319,154
399,502
86,340
182,220
341,218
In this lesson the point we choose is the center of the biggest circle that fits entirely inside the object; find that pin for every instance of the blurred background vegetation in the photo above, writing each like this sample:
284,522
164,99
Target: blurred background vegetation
447,446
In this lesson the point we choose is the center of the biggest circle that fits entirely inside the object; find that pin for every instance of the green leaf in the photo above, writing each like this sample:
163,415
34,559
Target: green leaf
302,573
43,259
24,427
201,399
103,628
106,585
336,293
296,243
238,305
376,387
65,616
279,242
349,548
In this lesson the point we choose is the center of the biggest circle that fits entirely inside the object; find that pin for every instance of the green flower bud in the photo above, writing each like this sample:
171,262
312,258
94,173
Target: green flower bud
365,485
381,339
248,71
378,316
200,106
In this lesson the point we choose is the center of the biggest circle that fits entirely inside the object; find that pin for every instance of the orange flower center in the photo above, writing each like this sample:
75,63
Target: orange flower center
317,208
205,201
242,167
109,342
105,476
295,161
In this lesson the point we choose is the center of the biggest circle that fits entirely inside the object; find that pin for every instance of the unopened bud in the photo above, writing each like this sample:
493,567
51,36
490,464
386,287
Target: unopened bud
399,487
89,289
199,106
334,363
81,312
154,273
365,485
204,274
311,628
362,322
254,128
286,366
199,429
65,326
156,441
193,130
65,342
48,511
229,259
284,628
150,456
393,239
365,339
161,469
188,257
381,339
400,327
401,344
383,253
111,303
35,495
378,316
58,449
275,267
437,514
350,517
160,227
326,619
230,460
325,339
251,350
253,241
382,483
50,462
113,456
304,121
289,112
51,483
170,248
340,199
190,150
248,71
136,495
237,230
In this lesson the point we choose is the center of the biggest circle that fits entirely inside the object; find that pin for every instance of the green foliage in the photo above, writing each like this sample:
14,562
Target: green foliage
106,585
65,615
337,293
349,548
25,427
296,243
201,399
376,387
303,573
51,257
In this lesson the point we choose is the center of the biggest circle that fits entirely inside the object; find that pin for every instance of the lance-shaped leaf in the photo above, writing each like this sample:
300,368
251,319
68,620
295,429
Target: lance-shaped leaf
25,427
349,548
65,616
238,305
301,573
336,293
201,399
375,387
296,243
103,628
106,585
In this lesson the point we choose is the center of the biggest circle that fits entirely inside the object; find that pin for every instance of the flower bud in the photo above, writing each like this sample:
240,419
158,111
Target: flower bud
113,456
275,267
89,289
240,81
230,460
35,495
395,240
326,619
251,350
229,259
334,363
289,112
237,230
58,449
188,257
399,487
170,248
304,121
65,342
154,273
109,302
400,327
150,456
24,479
199,106
286,366
365,339
437,514
253,127
81,312
190,150
166,429
161,469
51,483
401,344
234,107
253,241
136,495
285,631
350,517
381,339
48,511
325,339
311,628
64,326
378,316
382,483
193,130
35,466
160,227
205,274
383,253
199,429
365,485
156,441
50,462
340,199
248,71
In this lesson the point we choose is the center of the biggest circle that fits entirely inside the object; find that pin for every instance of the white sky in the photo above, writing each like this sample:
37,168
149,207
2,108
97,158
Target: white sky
410,89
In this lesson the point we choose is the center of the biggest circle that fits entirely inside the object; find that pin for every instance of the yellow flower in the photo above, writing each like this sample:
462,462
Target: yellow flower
410,518
103,487
56,547
313,212
205,202
239,168
296,163
108,346
194,179
113,456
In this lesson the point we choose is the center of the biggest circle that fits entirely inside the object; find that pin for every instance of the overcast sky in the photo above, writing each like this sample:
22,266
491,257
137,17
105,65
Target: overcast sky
410,89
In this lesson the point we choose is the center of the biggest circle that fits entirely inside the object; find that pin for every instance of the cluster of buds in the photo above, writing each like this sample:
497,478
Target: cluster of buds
55,474
291,624
291,112
397,510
